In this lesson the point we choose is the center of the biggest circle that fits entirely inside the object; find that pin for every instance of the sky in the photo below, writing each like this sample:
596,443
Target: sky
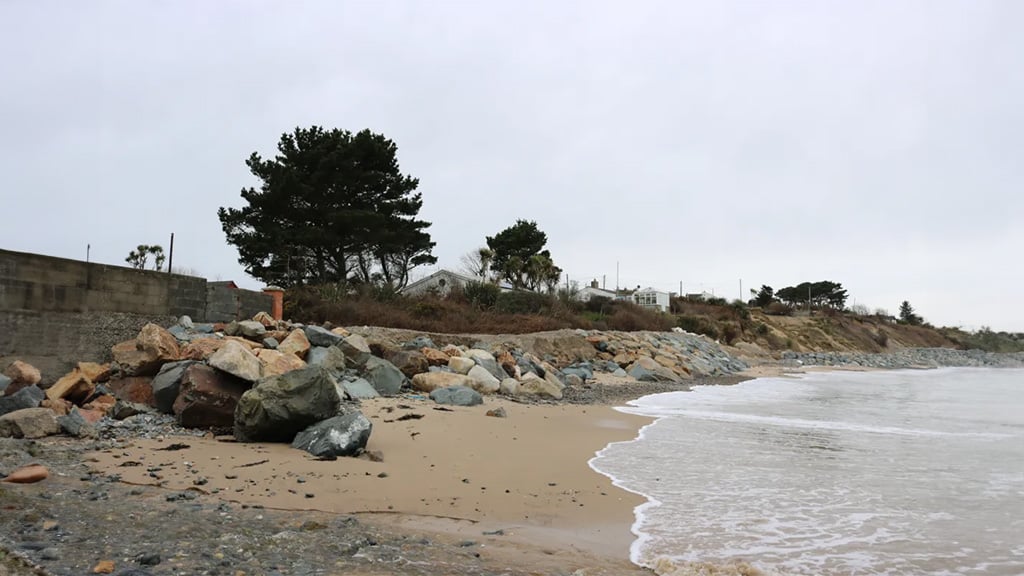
713,145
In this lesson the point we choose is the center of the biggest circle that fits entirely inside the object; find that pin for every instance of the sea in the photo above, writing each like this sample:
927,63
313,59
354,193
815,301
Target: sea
881,472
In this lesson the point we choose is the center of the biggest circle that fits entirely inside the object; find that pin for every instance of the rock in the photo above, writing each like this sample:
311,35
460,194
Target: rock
507,363
410,362
96,373
270,342
251,329
74,386
321,336
124,409
231,329
498,412
186,322
295,343
646,369
457,396
483,381
201,348
28,397
340,332
419,343
430,381
22,374
573,380
138,389
451,350
135,362
264,319
434,356
280,407
238,361
28,474
103,567
551,378
167,384
359,389
28,423
509,386
75,425
356,349
486,359
4,383
276,362
342,435
158,342
385,378
460,364
331,358
59,407
208,398
102,404
536,386
583,371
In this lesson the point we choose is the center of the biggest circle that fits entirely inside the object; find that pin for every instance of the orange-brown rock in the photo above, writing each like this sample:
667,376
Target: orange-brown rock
104,404
341,332
201,349
103,567
208,397
22,375
59,407
410,362
507,362
245,342
451,350
158,342
96,373
91,415
266,319
295,343
28,474
73,386
435,357
276,362
137,389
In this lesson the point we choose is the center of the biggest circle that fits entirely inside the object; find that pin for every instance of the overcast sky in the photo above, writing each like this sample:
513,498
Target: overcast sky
876,144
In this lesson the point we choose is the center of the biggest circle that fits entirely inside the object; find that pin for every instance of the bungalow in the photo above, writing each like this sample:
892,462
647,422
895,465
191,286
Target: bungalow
651,298
442,282
585,294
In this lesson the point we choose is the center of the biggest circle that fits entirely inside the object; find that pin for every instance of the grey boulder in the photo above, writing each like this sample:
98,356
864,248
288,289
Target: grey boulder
27,397
385,378
4,383
359,389
251,329
457,396
330,357
279,407
342,435
356,350
74,425
28,423
318,336
167,383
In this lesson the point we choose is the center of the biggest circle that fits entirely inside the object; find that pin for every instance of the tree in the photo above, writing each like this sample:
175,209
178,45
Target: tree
477,263
908,316
332,207
520,258
764,296
818,294
139,257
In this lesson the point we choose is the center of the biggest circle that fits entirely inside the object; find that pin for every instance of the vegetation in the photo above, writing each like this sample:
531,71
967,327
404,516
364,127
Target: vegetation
518,256
332,207
139,258
907,315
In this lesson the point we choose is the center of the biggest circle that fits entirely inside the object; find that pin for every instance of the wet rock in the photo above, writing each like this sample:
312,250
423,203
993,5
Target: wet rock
457,396
385,378
29,423
321,336
28,397
356,350
237,360
167,385
342,435
430,381
280,407
28,474
208,398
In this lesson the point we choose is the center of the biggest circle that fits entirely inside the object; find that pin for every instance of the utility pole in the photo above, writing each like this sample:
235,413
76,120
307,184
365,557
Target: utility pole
680,288
88,248
170,255
741,289
616,277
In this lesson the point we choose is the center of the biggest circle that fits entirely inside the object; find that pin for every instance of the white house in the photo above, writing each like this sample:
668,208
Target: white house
441,283
651,298
585,294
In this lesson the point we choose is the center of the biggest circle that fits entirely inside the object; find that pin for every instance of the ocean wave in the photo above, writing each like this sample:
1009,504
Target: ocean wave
665,566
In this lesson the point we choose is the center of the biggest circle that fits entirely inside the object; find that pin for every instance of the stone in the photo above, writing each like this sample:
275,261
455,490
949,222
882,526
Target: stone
410,362
331,358
167,384
498,412
340,332
551,378
457,396
509,386
74,386
201,348
75,425
276,362
356,349
507,362
582,371
231,329
280,407
22,374
452,350
251,329
430,381
59,407
29,423
186,322
28,397
483,381
270,342
321,336
157,341
238,361
359,389
103,404
534,385
91,416
573,380
204,328
124,409
435,357
265,319
248,344
96,373
138,389
486,359
342,435
28,474
646,369
461,364
4,383
295,343
385,378
419,343
103,567
208,398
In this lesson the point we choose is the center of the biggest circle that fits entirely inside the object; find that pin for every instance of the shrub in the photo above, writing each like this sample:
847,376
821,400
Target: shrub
521,302
761,329
598,304
483,295
730,332
778,309
698,325
628,317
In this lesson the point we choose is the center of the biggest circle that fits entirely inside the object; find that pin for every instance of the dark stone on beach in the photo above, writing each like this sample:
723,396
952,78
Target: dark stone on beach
208,397
280,407
75,425
342,435
27,397
123,410
330,357
418,343
148,559
51,553
318,336
385,378
457,396
167,384
271,343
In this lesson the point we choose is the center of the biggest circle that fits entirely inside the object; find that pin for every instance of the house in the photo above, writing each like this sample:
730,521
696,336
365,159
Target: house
585,294
442,282
651,298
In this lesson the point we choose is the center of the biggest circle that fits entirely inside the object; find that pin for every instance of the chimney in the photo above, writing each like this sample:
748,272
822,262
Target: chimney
593,284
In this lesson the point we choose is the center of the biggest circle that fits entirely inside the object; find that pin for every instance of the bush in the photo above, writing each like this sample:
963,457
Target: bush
730,332
698,325
629,317
598,304
778,309
761,329
483,295
520,302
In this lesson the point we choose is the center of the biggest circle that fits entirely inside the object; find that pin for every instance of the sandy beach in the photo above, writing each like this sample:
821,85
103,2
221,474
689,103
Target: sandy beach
519,485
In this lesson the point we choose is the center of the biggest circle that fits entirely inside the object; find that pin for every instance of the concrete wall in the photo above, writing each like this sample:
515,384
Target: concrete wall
55,312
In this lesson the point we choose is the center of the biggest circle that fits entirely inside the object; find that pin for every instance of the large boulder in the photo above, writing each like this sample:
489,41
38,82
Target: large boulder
29,423
74,386
202,348
295,343
159,343
410,362
96,373
251,329
534,385
486,359
457,396
483,381
331,358
356,350
136,389
75,425
509,386
385,378
280,407
276,362
435,357
237,360
21,375
430,381
208,398
28,397
167,384
342,435
646,369
359,389
461,364
321,336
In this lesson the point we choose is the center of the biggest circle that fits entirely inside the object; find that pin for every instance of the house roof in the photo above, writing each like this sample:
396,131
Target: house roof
445,272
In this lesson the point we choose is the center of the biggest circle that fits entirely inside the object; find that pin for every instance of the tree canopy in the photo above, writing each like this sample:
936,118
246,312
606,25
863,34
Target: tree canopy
908,316
518,256
139,258
332,206
819,294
